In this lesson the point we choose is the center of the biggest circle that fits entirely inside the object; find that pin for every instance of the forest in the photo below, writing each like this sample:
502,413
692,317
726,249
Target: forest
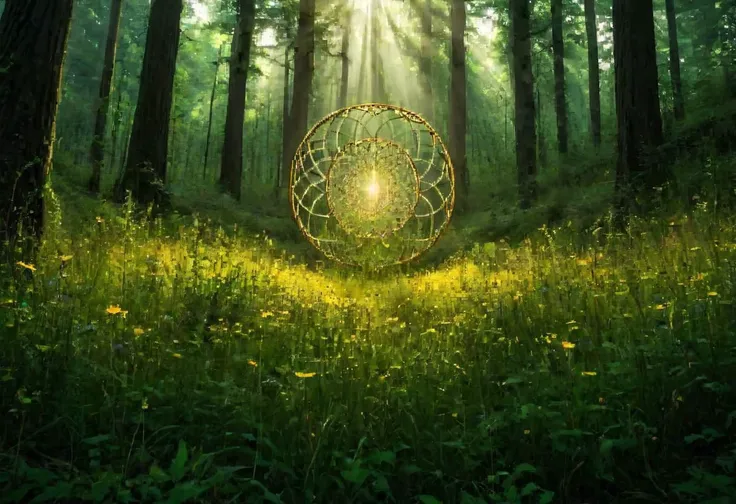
422,251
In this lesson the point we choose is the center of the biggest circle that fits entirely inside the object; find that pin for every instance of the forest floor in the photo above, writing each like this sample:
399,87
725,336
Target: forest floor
177,361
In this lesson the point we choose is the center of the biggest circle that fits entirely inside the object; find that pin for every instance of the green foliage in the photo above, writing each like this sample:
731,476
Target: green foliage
170,360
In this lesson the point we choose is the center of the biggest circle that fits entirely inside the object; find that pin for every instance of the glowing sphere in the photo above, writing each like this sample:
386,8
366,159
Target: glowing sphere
372,185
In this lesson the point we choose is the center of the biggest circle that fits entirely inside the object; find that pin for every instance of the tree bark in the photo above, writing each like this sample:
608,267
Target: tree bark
458,103
97,151
344,57
231,170
558,49
679,101
637,103
526,134
145,170
285,163
379,81
594,72
425,61
33,38
213,95
303,73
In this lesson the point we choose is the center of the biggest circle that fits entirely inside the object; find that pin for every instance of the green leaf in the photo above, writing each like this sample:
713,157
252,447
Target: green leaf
524,468
513,380
157,474
546,497
95,440
410,469
428,499
529,489
355,475
387,457
381,485
466,498
184,492
178,466
61,491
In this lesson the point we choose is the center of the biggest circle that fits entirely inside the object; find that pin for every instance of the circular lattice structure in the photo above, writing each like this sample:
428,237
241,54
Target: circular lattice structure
372,185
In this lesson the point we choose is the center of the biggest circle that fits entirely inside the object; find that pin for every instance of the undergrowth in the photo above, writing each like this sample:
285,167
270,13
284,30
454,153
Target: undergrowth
175,361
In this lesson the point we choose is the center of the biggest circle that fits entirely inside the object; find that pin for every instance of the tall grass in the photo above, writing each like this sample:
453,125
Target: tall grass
174,361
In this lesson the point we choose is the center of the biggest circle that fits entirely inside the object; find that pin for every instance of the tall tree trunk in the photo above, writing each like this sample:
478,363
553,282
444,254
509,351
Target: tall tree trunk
458,103
303,73
677,97
425,61
231,170
213,95
285,160
97,151
116,123
145,170
363,95
379,78
253,172
637,103
268,136
594,72
541,142
558,48
526,134
345,58
33,37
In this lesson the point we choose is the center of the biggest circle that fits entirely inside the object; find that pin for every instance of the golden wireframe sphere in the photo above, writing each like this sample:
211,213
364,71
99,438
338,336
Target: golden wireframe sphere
372,185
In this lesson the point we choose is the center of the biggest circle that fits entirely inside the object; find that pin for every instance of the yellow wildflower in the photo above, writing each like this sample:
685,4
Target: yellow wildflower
176,355
138,331
567,345
589,373
27,266
253,363
712,294
305,375
116,310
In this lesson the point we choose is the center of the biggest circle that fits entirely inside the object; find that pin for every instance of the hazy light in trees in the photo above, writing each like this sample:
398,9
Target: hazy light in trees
200,11
267,38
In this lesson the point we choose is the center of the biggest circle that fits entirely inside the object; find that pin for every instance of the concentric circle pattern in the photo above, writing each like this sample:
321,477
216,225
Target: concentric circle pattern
372,185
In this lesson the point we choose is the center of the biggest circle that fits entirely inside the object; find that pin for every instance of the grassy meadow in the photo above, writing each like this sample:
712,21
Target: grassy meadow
174,360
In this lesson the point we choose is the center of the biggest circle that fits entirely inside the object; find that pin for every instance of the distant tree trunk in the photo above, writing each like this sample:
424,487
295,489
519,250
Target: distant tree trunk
363,72
97,151
253,172
213,95
425,61
379,82
171,149
268,134
33,37
637,102
678,99
145,170
558,48
541,142
303,73
458,103
594,77
526,134
344,57
285,164
116,123
231,170
711,26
